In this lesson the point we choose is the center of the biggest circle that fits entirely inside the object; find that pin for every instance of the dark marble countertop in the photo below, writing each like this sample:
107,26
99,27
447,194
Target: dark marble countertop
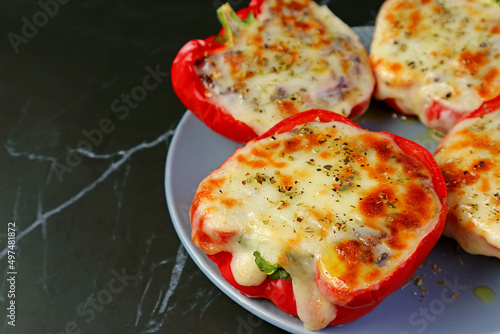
87,113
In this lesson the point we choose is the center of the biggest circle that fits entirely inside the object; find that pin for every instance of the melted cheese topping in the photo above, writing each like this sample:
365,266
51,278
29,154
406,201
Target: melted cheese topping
470,160
444,51
327,202
296,56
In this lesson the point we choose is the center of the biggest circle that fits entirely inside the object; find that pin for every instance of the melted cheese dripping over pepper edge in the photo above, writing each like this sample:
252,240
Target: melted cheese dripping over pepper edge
294,57
469,159
437,51
326,201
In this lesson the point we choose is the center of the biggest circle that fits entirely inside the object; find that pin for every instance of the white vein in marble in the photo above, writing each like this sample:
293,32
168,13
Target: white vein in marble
124,155
158,315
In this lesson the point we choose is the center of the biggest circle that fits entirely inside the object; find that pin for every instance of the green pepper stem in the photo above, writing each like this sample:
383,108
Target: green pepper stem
232,24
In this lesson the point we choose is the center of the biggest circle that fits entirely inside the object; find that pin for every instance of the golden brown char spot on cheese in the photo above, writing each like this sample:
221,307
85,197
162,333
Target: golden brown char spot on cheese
392,20
260,158
473,139
396,73
261,152
235,59
483,165
251,162
256,39
437,9
288,108
412,167
291,20
314,138
377,202
382,146
474,61
457,177
418,199
396,67
402,226
273,146
373,275
303,25
355,255
484,185
487,89
293,5
229,202
206,190
292,145
286,180
414,20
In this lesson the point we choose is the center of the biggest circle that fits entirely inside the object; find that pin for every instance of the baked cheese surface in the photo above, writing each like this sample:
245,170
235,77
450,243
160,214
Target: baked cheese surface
437,51
326,201
296,56
470,160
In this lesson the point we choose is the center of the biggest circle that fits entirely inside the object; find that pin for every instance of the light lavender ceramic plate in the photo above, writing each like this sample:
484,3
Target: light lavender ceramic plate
446,301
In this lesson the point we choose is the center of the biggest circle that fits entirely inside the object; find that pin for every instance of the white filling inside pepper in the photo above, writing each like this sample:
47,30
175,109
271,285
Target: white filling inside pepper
290,60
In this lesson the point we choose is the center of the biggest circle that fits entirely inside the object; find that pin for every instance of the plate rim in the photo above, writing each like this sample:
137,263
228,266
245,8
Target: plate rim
201,259
258,307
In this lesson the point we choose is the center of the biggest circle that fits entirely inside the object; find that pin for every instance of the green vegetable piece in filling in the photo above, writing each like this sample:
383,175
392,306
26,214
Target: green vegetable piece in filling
273,271
280,273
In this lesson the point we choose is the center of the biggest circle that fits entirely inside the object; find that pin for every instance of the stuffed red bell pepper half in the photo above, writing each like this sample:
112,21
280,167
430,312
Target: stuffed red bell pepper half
469,157
321,217
437,59
272,60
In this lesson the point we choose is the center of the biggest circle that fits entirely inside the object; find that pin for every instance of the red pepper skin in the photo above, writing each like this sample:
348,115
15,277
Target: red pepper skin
280,291
486,108
192,92
436,110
